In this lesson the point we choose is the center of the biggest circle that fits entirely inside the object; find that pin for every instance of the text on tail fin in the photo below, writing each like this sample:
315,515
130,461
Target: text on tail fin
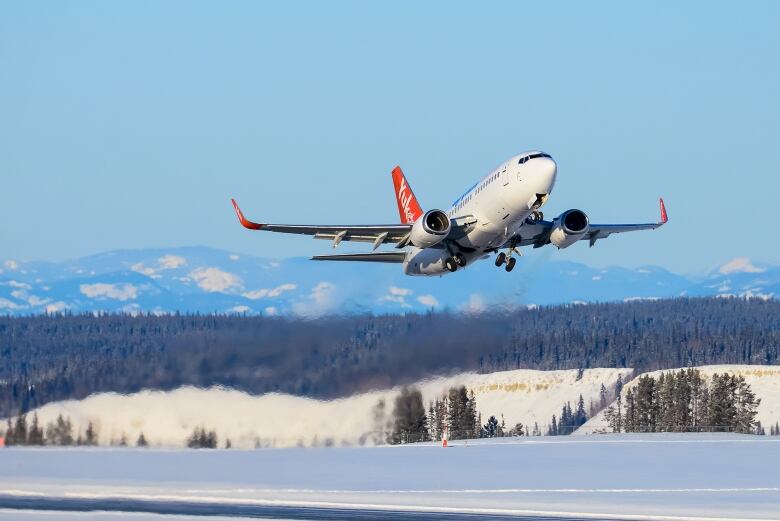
408,207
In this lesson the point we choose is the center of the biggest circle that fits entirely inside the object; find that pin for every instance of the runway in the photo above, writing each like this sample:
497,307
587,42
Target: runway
642,477
257,511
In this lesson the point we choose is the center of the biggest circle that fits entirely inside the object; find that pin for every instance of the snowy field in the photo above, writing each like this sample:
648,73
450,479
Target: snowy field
661,476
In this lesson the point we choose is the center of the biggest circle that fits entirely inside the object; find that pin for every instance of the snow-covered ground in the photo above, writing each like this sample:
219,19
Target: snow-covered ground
764,380
278,420
715,476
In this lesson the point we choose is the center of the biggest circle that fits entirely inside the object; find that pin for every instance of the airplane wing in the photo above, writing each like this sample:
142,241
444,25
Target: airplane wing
376,233
538,234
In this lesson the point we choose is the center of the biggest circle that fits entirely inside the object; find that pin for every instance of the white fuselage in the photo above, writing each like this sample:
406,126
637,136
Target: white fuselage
500,202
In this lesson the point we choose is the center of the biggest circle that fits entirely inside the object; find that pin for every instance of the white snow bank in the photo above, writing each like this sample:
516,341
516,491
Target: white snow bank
168,418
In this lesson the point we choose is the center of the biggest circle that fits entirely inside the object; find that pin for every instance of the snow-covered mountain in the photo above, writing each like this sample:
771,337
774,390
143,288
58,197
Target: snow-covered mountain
199,279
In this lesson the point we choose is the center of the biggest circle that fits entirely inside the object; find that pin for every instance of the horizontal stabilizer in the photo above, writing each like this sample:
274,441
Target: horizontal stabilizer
379,256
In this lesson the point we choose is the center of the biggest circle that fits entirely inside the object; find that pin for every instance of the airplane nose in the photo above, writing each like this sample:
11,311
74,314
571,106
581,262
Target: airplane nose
546,170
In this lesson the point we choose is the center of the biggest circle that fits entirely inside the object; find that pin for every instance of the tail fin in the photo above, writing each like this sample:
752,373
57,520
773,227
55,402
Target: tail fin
408,207
664,217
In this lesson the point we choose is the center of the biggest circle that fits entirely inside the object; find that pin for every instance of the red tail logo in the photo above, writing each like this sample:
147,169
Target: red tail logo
408,207
664,217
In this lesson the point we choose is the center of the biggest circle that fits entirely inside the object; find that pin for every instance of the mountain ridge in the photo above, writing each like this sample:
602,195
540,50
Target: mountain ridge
203,279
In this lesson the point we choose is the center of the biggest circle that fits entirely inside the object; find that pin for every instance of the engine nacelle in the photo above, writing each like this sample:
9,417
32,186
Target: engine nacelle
430,229
568,228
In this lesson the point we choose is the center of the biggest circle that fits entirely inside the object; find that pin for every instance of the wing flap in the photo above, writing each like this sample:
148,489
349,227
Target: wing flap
602,231
378,256
374,233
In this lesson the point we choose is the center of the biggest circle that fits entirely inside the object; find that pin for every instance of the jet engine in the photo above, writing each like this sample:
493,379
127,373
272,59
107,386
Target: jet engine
568,228
430,229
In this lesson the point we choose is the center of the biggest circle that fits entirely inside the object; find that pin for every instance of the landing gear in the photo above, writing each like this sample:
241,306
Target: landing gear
451,264
510,264
535,217
507,259
460,259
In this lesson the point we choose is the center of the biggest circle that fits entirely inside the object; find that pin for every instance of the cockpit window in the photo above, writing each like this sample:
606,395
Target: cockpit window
532,156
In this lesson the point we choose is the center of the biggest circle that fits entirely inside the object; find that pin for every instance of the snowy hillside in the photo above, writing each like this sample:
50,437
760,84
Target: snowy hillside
199,279
167,418
764,381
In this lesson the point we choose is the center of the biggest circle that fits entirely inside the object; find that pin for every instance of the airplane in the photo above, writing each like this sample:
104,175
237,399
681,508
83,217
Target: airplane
498,214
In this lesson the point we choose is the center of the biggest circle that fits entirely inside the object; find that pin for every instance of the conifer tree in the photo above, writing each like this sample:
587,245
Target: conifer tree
617,423
552,429
141,441
211,440
409,421
472,416
619,385
20,430
432,422
746,407
646,406
35,436
602,397
491,427
630,418
461,413
580,416
440,408
90,437
60,432
721,411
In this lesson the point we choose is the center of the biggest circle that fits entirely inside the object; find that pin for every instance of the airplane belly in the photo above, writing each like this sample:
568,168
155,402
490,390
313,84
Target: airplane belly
482,237
428,261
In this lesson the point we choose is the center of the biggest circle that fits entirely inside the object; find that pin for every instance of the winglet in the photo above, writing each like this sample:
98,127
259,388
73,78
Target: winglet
243,220
664,217
408,207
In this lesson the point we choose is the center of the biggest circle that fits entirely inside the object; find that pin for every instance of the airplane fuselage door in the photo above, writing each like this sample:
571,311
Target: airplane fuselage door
504,176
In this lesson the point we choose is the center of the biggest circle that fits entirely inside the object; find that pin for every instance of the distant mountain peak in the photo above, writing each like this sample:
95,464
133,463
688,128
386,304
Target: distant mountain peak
740,265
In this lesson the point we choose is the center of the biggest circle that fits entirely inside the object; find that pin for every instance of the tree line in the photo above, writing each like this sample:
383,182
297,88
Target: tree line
453,415
685,401
47,358
60,433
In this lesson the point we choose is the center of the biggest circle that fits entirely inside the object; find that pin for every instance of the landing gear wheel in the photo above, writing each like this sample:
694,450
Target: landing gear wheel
535,217
510,264
450,264
460,259
500,258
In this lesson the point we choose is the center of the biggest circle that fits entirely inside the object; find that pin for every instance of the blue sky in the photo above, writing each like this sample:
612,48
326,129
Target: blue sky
131,124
